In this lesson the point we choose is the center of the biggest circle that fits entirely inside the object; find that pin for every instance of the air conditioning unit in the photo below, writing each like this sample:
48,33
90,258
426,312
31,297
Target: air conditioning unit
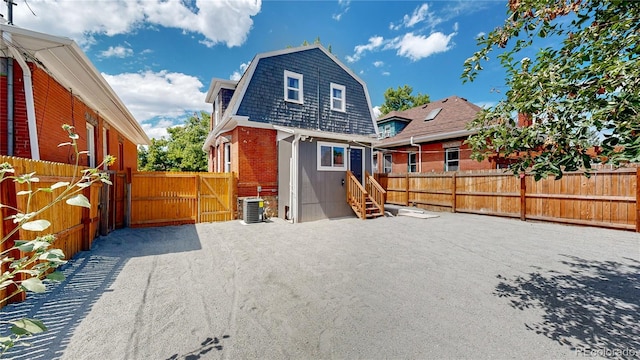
252,210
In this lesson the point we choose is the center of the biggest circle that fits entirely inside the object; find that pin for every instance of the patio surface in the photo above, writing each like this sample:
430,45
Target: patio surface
454,286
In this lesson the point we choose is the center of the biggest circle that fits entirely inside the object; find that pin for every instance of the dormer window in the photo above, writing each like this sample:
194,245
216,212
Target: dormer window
337,97
293,87
432,115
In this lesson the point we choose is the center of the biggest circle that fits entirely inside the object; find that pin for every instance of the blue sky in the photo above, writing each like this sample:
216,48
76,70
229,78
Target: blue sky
160,55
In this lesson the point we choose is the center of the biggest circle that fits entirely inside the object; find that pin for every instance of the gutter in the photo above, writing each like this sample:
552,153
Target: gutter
419,154
429,138
28,95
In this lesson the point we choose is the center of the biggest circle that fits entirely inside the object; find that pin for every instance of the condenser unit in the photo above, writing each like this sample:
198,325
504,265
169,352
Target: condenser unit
252,210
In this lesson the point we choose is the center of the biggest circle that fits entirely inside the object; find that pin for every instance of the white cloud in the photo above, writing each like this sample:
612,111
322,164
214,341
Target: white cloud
376,111
158,129
375,42
227,22
150,95
344,8
117,51
238,73
378,63
386,73
420,14
481,34
417,47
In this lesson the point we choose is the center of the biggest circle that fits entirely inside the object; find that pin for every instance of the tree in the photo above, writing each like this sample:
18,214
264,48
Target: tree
182,151
401,99
589,82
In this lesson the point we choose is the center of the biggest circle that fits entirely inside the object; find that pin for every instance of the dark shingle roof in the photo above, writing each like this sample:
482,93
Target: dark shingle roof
456,113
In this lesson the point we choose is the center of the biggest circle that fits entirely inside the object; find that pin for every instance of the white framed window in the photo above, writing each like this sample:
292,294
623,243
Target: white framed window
293,87
227,157
452,159
411,162
387,131
338,97
332,156
91,146
387,163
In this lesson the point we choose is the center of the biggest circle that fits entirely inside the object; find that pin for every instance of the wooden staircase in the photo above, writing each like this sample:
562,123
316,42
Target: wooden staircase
366,201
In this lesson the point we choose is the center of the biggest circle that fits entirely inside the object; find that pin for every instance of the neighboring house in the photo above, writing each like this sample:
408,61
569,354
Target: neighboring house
432,140
290,128
47,81
392,124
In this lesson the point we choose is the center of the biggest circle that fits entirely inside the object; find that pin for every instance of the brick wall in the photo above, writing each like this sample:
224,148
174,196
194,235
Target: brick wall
433,155
55,106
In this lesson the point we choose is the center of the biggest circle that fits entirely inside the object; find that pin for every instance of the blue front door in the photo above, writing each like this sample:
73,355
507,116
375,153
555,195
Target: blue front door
355,162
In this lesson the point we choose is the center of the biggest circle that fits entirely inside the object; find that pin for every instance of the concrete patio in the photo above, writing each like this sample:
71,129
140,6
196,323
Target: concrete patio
453,286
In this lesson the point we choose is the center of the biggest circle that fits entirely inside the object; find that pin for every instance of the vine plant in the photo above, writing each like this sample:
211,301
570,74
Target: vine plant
38,259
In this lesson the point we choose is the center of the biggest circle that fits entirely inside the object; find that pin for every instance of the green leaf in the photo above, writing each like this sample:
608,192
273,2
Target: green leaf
64,144
33,284
36,225
59,185
29,246
27,327
79,200
56,276
24,192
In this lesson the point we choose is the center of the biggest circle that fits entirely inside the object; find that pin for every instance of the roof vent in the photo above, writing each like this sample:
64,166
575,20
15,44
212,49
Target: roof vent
432,115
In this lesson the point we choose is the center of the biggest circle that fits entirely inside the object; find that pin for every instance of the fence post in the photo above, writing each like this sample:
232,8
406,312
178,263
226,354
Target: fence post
10,202
638,200
453,191
127,197
86,221
407,188
523,197
198,203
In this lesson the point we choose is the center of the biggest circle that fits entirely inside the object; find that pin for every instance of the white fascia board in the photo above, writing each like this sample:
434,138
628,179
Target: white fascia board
327,135
216,85
429,138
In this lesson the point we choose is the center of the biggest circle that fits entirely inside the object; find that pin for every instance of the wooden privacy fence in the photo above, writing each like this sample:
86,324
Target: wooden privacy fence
609,198
74,227
167,198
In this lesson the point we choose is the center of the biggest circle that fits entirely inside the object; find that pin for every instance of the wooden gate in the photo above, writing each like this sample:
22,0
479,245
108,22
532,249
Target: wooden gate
216,197
172,198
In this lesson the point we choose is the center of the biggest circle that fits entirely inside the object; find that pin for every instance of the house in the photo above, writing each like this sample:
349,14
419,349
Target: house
290,128
47,81
431,138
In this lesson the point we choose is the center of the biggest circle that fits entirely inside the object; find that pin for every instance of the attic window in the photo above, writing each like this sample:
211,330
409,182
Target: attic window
293,87
432,115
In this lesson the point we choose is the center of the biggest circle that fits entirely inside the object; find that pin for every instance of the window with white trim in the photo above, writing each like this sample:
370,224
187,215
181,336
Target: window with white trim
216,108
338,97
293,87
452,159
227,157
91,146
411,162
387,163
332,156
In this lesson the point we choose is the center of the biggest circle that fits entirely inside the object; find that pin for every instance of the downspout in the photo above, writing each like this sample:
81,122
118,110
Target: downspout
419,154
293,197
10,125
28,95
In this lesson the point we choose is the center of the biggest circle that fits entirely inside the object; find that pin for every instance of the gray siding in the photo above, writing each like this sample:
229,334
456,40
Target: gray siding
264,97
321,193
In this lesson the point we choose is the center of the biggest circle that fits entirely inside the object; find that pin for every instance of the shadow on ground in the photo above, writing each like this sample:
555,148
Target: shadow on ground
595,304
208,345
87,276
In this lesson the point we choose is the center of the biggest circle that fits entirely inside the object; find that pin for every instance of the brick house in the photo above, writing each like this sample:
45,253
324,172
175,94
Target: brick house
290,128
428,138
47,81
